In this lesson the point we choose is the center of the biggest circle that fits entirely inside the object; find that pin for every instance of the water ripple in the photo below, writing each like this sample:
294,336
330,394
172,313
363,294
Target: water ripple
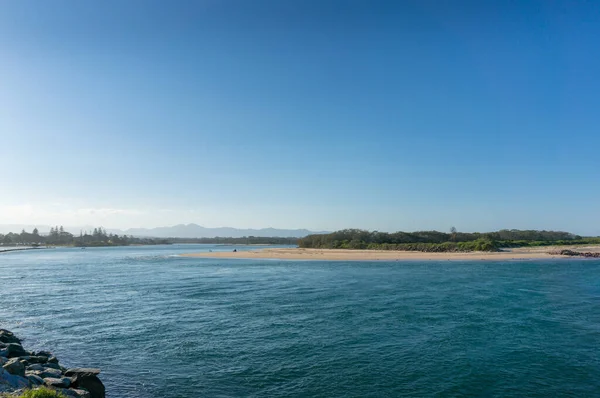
160,325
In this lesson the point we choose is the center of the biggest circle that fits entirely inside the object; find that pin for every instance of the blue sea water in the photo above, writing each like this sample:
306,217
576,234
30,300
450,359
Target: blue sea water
159,325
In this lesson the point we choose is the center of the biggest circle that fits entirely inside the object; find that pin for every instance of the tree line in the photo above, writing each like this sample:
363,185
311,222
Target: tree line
58,236
99,237
436,241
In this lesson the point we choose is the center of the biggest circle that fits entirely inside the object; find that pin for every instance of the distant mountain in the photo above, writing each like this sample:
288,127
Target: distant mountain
197,231
177,231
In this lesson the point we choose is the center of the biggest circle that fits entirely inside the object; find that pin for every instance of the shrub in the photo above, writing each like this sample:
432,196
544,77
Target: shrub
42,393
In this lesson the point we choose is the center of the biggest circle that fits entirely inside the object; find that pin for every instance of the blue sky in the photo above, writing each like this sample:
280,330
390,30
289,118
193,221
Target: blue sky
399,115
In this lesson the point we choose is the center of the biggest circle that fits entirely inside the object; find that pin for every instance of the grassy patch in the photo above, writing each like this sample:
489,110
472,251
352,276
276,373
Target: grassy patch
41,393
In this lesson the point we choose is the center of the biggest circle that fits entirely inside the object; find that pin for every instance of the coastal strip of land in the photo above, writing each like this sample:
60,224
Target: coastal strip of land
20,249
394,255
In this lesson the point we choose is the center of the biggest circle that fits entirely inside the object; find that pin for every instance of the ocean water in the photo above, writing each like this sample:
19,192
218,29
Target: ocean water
159,325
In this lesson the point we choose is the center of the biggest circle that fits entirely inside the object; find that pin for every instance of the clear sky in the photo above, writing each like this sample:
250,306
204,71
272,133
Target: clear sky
387,115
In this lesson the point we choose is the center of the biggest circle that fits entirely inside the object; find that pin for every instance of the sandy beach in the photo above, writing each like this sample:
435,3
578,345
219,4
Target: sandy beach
368,255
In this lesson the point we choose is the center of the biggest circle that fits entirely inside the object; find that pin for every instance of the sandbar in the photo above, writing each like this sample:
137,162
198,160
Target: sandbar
391,255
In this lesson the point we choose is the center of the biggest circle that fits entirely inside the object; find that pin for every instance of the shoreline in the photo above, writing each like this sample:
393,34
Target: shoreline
22,249
537,253
79,247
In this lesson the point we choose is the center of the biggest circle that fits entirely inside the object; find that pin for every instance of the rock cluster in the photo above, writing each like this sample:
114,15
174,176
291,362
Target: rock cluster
567,252
21,369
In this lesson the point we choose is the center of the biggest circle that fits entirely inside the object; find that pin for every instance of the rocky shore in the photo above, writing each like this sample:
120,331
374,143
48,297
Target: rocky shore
27,370
572,253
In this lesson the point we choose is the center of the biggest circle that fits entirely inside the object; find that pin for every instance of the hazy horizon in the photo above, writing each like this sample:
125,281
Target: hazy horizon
44,228
411,115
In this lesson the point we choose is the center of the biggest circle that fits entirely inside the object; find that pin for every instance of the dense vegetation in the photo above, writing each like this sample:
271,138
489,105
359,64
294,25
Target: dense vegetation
425,241
59,237
435,241
99,237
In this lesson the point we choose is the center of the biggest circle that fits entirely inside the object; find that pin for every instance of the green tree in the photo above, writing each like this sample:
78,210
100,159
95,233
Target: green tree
453,233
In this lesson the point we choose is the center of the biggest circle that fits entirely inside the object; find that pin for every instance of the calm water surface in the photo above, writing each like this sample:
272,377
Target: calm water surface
159,325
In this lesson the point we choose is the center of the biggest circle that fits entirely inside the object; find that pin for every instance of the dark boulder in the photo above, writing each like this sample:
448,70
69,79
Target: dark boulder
14,367
64,382
8,337
592,254
82,372
567,252
50,372
14,350
51,365
36,359
13,381
87,379
47,372
35,380
573,253
71,392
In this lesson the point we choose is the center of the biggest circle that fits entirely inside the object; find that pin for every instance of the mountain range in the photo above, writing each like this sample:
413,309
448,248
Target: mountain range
176,231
